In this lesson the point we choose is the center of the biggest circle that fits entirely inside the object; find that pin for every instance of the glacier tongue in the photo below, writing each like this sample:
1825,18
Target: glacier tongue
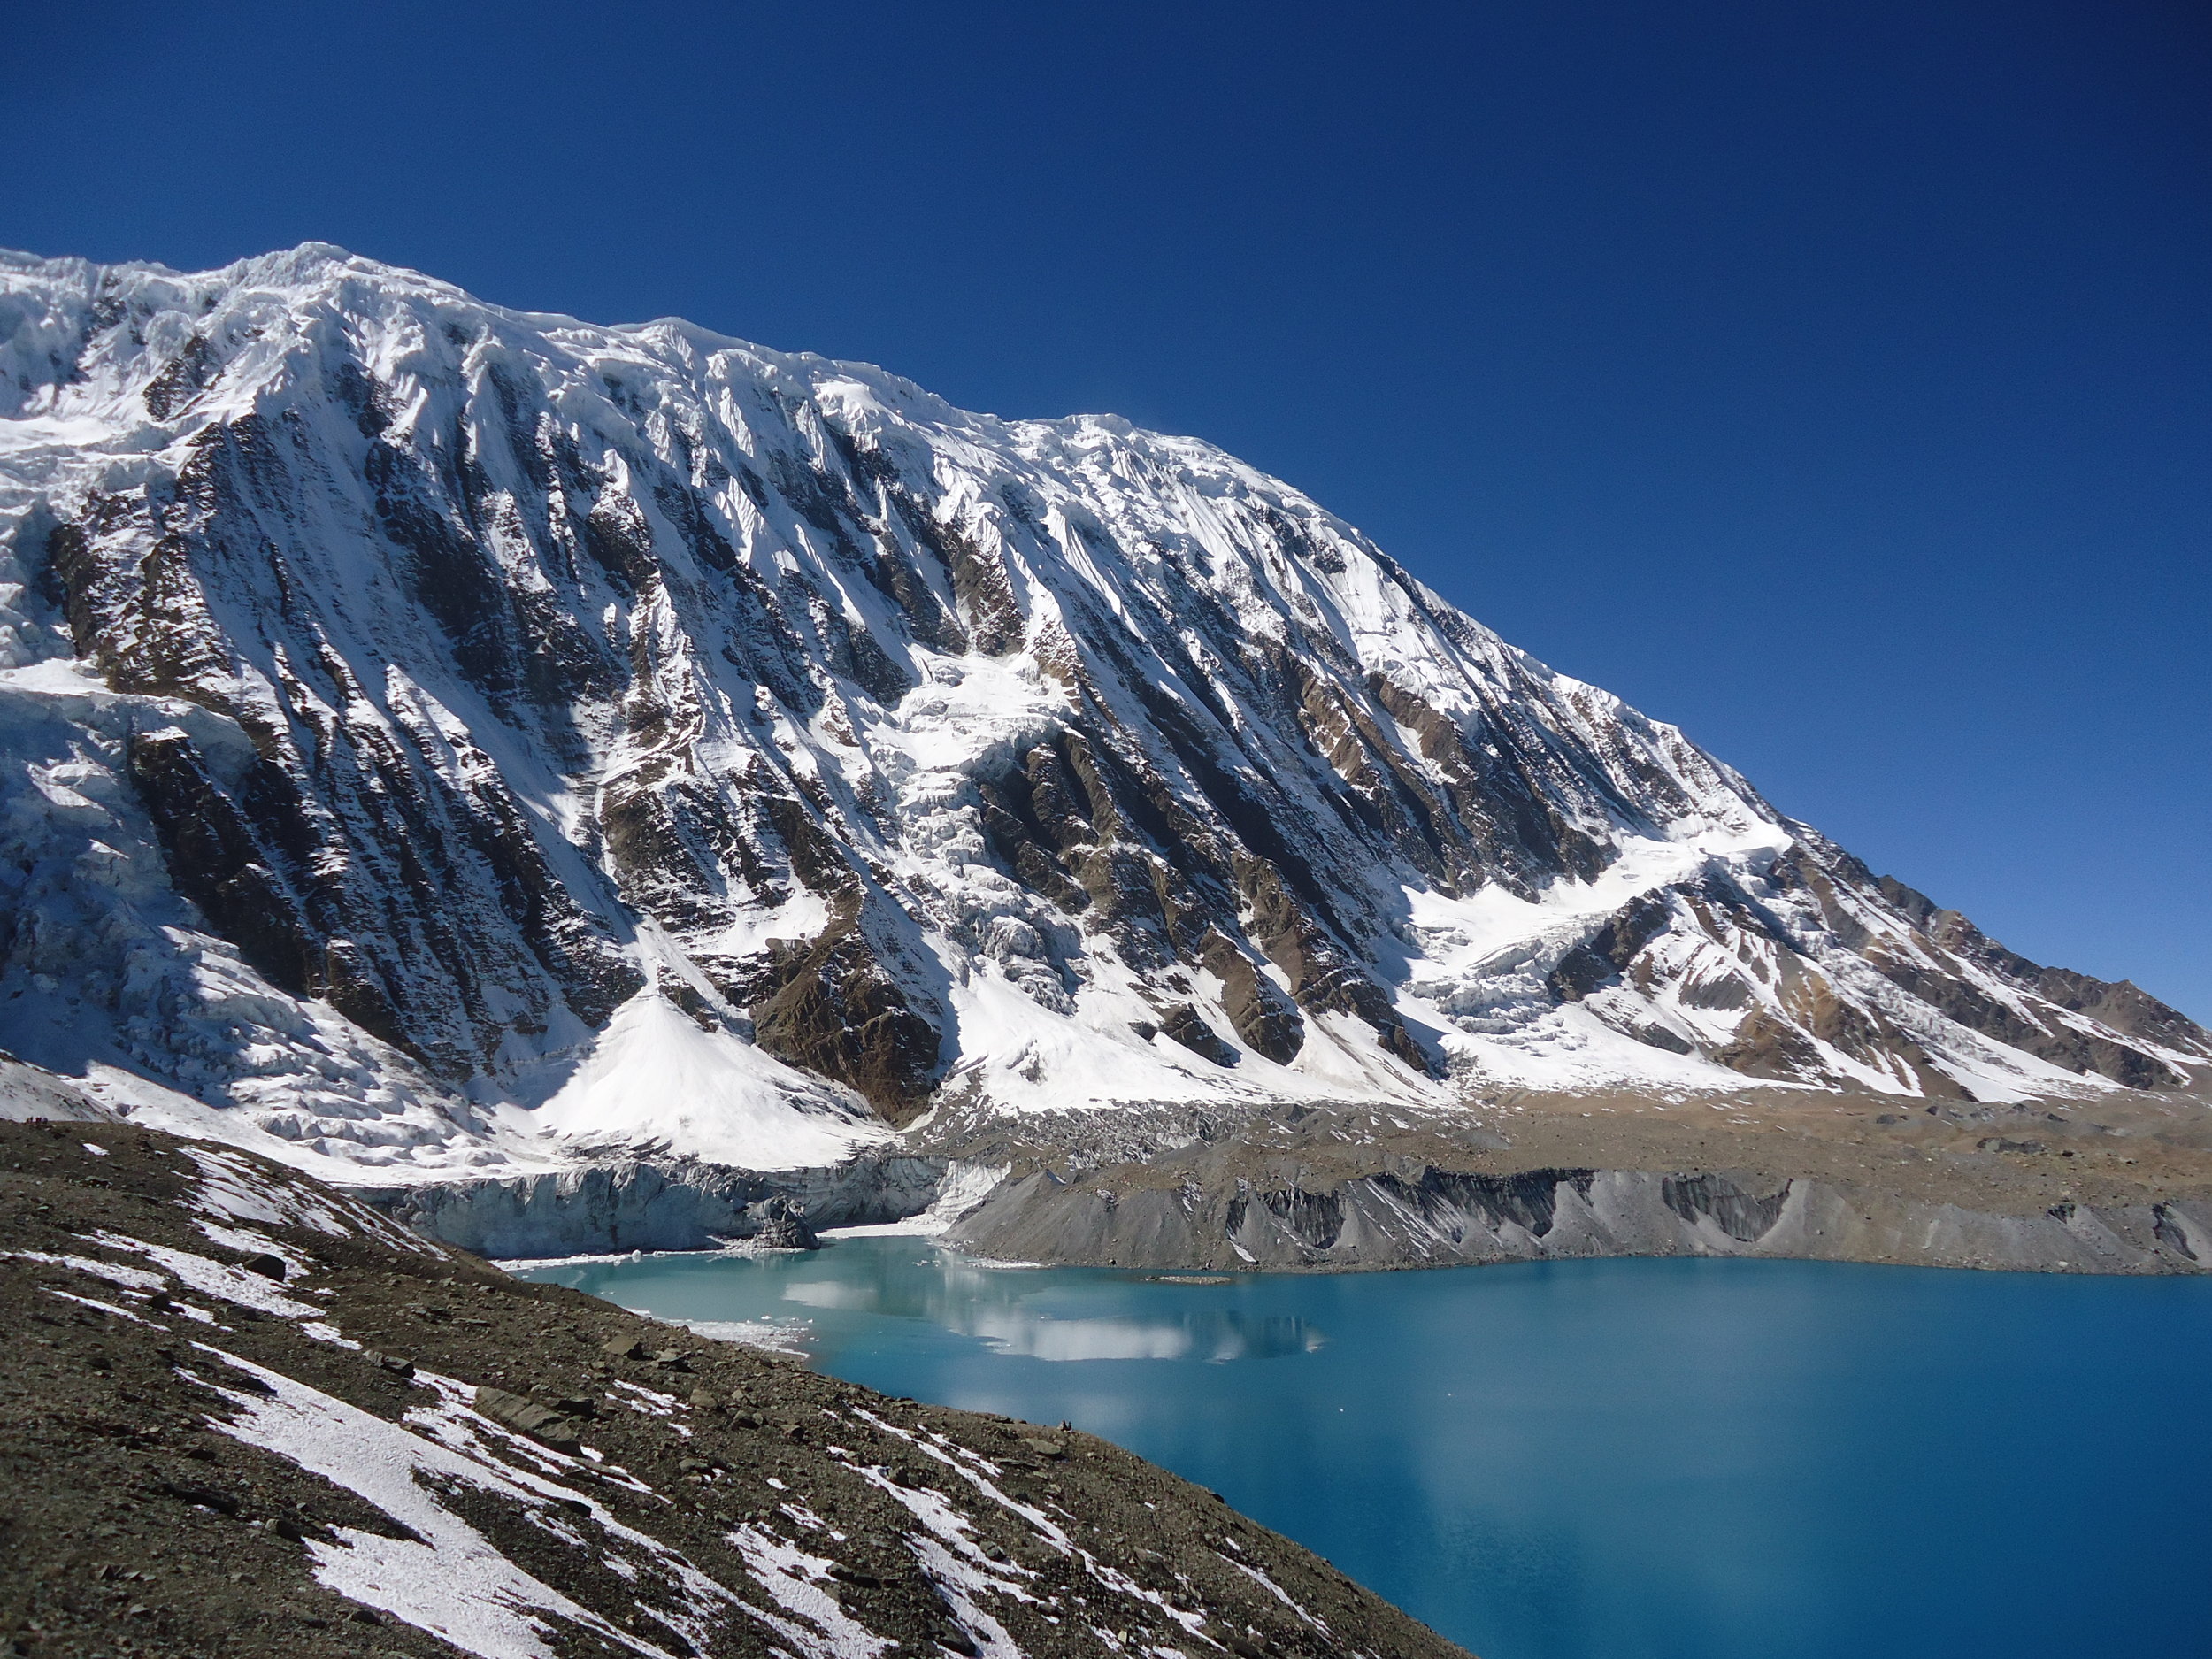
438,736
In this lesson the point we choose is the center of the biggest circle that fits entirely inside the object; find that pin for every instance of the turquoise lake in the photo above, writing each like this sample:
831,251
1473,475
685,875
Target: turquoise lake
1601,1460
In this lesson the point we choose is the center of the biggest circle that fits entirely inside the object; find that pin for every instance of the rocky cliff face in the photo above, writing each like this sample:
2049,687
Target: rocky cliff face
436,735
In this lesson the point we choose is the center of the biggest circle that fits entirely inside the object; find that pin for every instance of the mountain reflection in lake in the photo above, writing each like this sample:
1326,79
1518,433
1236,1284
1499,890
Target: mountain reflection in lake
815,1300
1680,1459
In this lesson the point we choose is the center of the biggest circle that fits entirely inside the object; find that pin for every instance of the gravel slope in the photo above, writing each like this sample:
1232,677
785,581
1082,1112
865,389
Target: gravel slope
2118,1184
241,1413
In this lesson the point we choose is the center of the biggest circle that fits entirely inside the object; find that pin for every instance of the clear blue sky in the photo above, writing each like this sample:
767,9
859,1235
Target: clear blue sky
1832,380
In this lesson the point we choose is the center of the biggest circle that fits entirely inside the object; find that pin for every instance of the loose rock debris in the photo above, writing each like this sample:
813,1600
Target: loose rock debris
243,1414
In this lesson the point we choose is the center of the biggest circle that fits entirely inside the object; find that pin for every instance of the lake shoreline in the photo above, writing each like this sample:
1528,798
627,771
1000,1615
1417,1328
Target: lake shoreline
1554,1463
2115,1184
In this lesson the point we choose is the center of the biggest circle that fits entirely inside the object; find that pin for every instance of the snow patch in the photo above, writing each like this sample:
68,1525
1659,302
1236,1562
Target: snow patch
654,1076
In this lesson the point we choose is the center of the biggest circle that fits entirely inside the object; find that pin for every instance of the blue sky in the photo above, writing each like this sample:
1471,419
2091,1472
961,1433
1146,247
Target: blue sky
1832,380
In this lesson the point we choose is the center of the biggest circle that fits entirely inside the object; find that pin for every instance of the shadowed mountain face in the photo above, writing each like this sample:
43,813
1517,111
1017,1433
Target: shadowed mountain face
417,711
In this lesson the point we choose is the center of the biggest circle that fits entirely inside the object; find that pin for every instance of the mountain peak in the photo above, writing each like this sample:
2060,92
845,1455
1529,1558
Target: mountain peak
440,733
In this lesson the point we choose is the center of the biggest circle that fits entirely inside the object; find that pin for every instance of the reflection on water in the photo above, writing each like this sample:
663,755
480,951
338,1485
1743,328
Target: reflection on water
1020,1313
829,1293
1596,1460
1211,1336
1041,1315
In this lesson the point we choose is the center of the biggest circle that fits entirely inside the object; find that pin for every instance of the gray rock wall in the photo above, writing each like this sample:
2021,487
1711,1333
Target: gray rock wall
1435,1217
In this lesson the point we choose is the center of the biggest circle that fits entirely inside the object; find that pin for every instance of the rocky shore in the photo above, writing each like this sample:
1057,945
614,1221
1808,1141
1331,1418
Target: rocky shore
245,1414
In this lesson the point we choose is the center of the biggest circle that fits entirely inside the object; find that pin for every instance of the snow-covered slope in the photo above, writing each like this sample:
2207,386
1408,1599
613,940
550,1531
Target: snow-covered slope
439,735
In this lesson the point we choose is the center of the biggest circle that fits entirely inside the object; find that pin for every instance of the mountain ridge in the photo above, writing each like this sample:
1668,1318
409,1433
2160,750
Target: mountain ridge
445,737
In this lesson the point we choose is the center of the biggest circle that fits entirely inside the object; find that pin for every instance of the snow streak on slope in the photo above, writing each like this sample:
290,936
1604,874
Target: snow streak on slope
437,733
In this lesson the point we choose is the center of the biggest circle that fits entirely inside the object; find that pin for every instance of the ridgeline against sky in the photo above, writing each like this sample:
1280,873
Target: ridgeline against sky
451,735
1830,381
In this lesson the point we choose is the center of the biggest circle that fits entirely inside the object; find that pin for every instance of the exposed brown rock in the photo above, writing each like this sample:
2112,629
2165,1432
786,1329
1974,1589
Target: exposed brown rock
835,1011
1266,1021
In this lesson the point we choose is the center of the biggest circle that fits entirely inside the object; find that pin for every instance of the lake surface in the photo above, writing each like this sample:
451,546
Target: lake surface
1601,1460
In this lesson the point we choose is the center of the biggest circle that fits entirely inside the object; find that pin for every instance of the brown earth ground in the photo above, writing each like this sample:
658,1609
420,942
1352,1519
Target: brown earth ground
2119,1149
2131,1149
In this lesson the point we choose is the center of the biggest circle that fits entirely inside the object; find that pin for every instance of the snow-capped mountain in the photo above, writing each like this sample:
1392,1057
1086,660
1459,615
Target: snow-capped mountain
436,733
